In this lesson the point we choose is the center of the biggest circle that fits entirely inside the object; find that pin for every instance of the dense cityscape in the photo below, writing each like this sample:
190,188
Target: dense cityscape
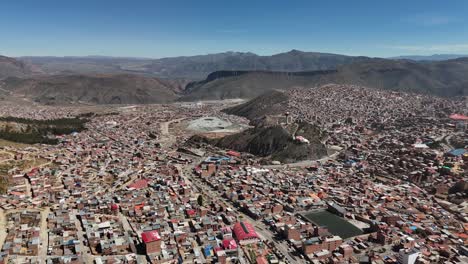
234,132
133,187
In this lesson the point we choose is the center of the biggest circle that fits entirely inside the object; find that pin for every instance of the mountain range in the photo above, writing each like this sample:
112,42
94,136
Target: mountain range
442,78
434,57
102,80
192,67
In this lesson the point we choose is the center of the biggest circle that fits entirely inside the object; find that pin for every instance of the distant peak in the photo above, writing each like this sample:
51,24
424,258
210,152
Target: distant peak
295,51
235,53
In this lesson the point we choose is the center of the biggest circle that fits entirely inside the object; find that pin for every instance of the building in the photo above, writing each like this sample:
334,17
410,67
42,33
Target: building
316,244
346,251
311,245
391,220
245,233
152,241
336,209
408,256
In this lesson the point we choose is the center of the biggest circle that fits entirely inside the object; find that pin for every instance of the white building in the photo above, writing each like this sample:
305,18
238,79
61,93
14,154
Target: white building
408,256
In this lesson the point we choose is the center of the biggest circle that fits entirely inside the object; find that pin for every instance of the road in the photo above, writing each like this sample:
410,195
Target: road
261,229
305,163
3,223
129,230
167,139
44,235
128,173
85,254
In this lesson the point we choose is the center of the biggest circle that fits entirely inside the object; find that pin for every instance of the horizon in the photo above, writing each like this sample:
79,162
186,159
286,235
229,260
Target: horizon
152,29
230,51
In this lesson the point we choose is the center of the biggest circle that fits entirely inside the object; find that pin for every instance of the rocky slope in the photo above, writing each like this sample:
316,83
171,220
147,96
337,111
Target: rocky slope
442,78
275,142
93,89
10,67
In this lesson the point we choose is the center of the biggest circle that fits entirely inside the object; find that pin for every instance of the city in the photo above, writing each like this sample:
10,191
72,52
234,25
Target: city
234,132
134,188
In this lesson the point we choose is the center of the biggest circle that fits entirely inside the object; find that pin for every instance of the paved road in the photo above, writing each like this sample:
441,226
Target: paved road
3,223
87,257
44,236
305,163
261,229
128,228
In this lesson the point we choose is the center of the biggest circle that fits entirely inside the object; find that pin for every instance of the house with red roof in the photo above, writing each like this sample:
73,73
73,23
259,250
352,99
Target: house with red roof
191,213
245,233
138,184
233,153
229,244
459,117
152,241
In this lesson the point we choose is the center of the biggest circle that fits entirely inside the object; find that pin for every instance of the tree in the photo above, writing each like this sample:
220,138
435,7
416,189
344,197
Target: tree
200,200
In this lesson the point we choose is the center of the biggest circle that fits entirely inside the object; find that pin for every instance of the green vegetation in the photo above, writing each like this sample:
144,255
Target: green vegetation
4,168
200,200
31,131
3,184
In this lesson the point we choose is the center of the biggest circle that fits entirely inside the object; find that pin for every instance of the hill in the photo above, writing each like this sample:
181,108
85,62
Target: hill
333,103
444,78
92,89
274,141
271,103
10,67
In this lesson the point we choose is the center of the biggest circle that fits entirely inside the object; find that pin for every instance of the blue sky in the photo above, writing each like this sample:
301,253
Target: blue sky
171,28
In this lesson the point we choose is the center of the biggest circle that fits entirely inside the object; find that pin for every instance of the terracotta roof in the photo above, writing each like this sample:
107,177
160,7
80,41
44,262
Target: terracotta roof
244,230
459,117
191,212
233,153
139,184
150,236
261,260
229,243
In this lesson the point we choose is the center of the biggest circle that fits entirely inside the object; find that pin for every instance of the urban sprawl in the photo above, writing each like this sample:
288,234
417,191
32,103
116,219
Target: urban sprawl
131,189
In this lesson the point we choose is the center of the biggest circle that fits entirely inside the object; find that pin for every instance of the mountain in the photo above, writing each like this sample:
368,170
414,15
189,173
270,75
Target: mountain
92,89
255,75
193,67
10,67
198,67
434,57
225,85
444,78
441,78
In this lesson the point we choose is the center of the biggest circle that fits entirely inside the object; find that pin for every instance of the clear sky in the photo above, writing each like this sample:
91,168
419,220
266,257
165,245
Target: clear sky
157,28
